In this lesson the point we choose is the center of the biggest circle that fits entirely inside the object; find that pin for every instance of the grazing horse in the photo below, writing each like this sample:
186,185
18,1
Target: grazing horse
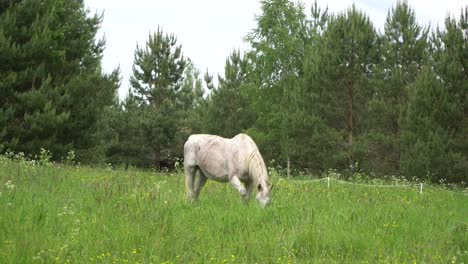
236,160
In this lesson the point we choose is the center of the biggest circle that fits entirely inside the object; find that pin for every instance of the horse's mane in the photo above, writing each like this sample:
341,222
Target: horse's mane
257,168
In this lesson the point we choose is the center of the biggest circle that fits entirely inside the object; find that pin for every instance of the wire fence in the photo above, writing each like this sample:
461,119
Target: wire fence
329,179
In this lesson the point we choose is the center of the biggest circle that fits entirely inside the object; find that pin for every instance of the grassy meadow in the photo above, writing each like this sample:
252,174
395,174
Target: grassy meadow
76,214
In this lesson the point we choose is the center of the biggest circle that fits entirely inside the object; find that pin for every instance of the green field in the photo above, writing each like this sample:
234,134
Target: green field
74,214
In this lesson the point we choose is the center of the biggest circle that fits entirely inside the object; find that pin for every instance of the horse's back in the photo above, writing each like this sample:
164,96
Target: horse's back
197,142
217,156
241,143
192,147
245,142
210,154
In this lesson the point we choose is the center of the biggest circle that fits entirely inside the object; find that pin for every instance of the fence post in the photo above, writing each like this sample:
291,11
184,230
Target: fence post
328,182
420,188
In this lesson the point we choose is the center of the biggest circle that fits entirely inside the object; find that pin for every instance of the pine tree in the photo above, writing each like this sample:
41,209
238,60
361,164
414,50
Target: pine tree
404,50
192,91
429,143
434,126
336,84
125,138
191,100
314,145
227,108
52,87
450,60
157,77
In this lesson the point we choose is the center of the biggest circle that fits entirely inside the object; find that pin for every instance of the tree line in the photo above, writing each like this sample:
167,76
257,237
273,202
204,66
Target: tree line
316,90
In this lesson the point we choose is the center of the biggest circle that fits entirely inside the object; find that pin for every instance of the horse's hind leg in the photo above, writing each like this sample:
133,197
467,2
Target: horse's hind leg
200,181
189,181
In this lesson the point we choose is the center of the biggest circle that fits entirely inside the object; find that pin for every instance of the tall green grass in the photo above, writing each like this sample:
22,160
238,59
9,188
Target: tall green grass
75,214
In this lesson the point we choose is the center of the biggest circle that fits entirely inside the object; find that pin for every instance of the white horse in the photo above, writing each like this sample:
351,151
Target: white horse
236,160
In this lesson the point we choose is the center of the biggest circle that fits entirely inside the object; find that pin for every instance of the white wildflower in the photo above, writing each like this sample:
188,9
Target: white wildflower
9,185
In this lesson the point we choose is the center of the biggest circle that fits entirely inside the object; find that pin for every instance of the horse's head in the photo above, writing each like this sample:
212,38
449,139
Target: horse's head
263,194
259,174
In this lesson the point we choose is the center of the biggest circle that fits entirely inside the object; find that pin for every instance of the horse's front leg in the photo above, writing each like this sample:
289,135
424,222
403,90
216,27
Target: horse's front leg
239,186
249,187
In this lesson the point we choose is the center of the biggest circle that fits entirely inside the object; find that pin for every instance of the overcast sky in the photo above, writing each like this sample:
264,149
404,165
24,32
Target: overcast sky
210,29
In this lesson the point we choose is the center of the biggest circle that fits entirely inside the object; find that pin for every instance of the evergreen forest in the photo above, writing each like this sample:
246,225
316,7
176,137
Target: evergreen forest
316,90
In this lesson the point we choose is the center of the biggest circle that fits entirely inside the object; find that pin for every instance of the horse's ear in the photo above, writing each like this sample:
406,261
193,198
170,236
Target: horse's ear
259,187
